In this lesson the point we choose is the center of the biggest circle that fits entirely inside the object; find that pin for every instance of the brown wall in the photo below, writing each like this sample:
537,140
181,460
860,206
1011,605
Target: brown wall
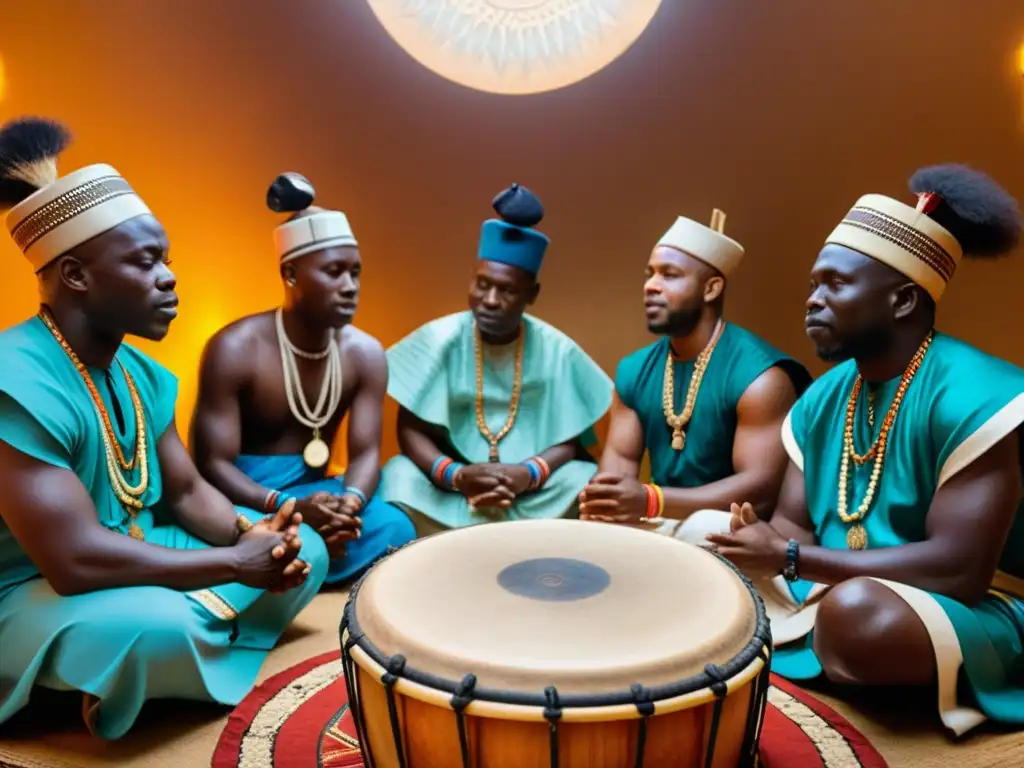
781,113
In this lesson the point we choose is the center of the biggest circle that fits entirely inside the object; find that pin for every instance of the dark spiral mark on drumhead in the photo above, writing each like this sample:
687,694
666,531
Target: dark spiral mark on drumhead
554,579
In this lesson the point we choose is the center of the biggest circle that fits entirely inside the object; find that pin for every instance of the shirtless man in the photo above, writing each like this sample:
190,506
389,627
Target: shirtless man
275,386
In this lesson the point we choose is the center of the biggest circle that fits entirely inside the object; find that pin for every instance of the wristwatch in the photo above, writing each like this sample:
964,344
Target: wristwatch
789,572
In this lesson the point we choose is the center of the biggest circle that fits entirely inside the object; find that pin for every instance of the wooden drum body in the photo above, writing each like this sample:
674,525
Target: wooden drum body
555,643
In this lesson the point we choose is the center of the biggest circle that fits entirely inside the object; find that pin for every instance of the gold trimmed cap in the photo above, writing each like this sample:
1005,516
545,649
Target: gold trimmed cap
70,211
961,214
48,215
708,244
907,239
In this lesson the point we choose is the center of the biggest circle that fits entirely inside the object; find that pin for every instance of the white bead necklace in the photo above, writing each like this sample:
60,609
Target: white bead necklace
316,452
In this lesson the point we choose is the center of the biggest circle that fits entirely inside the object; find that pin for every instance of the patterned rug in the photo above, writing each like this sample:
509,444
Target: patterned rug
293,720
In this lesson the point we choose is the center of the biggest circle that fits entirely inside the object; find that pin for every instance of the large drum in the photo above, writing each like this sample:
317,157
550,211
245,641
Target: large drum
555,643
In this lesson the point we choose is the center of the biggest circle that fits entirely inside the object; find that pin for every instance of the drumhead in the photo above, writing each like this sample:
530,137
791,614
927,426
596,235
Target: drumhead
587,607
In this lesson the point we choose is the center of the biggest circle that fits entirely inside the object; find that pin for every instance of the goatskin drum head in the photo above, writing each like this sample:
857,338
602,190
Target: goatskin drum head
587,607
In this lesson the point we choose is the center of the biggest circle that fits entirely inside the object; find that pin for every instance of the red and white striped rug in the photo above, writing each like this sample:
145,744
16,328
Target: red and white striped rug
299,718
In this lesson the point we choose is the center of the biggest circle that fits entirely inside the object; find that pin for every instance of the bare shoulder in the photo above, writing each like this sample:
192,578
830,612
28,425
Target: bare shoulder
365,350
234,347
769,396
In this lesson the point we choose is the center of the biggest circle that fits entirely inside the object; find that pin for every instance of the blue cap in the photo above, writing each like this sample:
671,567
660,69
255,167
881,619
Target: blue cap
511,239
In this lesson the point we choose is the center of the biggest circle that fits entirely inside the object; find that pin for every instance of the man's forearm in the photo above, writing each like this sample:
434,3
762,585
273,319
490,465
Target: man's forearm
616,464
208,515
421,449
680,503
363,473
922,564
558,456
236,485
106,560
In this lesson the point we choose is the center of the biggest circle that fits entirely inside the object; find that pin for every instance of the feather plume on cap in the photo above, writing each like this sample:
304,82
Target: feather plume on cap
980,214
29,148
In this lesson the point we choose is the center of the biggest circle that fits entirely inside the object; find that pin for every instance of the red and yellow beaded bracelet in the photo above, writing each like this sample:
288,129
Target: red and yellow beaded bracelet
655,503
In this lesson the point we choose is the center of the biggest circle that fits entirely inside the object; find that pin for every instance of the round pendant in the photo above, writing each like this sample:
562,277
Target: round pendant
135,532
857,537
317,453
678,441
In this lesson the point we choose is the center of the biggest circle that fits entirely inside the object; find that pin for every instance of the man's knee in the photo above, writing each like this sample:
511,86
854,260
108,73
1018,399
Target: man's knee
863,629
156,621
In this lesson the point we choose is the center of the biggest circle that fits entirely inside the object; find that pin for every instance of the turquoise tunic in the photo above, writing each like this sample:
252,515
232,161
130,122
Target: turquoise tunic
739,359
957,392
125,645
433,375
384,525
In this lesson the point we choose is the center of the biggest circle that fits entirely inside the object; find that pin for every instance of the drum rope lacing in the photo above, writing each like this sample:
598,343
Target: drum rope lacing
645,707
459,701
465,692
758,704
355,701
553,713
719,688
395,667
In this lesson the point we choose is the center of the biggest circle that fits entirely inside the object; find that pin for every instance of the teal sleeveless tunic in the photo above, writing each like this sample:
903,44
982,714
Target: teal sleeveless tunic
739,359
122,646
961,402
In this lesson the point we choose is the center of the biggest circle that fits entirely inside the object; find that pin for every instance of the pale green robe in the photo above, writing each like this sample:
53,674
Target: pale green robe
432,373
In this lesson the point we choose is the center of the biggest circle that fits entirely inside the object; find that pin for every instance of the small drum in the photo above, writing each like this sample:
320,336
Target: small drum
555,643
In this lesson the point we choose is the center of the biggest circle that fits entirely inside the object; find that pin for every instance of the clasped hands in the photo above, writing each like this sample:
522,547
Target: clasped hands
283,570
492,485
335,518
613,498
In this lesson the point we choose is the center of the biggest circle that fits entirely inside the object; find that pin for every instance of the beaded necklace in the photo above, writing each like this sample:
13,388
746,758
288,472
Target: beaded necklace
129,495
517,387
856,535
679,422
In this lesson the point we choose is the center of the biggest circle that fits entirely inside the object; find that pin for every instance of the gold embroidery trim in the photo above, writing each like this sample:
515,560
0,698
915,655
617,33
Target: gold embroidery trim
906,237
216,604
66,207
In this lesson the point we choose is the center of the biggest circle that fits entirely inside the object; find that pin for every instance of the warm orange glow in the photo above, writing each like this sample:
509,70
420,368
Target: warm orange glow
1020,59
200,128
3,80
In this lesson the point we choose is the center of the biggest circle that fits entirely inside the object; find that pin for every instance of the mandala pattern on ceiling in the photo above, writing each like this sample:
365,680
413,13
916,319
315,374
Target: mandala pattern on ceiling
524,45
508,32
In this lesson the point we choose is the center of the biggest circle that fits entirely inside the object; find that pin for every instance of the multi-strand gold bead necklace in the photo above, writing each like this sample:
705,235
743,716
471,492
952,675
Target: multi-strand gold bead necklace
129,495
678,422
856,535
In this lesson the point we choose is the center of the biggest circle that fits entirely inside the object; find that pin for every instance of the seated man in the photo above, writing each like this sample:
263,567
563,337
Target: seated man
706,401
123,574
903,493
255,436
495,405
